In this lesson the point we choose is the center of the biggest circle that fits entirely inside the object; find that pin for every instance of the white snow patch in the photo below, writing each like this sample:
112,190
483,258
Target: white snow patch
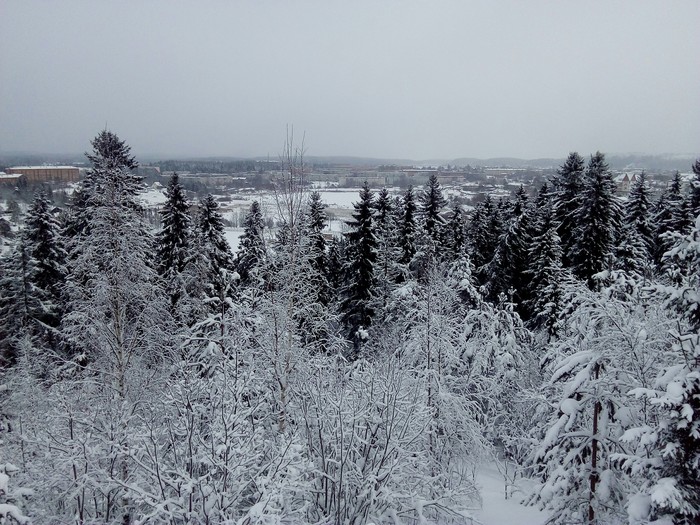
496,509
639,507
569,406
233,236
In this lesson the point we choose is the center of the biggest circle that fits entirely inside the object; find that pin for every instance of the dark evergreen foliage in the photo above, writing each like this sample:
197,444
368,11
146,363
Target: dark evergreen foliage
638,212
316,222
483,234
695,191
506,273
670,215
387,270
383,209
47,267
546,276
251,250
361,288
335,273
456,235
598,221
407,229
18,301
173,241
431,204
567,191
173,249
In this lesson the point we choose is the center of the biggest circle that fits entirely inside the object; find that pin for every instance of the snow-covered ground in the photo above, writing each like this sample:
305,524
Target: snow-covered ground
153,196
496,509
232,236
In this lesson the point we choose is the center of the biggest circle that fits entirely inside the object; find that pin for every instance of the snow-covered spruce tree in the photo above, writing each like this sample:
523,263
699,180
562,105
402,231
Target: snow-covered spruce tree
431,203
484,230
173,241
360,290
632,254
314,295
610,345
636,242
251,252
118,320
388,252
597,219
669,216
18,300
638,212
666,453
546,276
455,232
43,237
506,272
316,220
695,191
211,285
74,220
215,259
335,272
543,200
407,230
567,191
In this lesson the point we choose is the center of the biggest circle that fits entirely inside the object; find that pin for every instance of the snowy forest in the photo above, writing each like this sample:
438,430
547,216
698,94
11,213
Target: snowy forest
158,377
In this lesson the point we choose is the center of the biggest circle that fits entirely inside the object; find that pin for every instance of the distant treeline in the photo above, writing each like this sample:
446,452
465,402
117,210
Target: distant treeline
215,166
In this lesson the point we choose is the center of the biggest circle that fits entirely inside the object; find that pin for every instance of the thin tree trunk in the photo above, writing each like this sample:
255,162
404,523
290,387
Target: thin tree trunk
594,456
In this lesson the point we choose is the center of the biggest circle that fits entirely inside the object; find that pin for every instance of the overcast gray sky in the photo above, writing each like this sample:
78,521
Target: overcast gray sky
410,79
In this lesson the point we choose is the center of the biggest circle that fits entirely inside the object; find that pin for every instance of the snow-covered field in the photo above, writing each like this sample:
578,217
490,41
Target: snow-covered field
335,199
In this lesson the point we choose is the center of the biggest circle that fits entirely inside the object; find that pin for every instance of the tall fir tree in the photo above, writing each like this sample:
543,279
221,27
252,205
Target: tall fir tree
213,262
335,272
670,215
45,244
387,269
407,228
544,199
17,300
361,287
638,211
695,191
567,191
506,272
251,251
317,219
545,301
116,317
598,221
431,204
383,207
173,248
456,236
483,233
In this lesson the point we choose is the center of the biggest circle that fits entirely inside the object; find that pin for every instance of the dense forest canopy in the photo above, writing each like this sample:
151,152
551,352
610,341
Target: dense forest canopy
158,377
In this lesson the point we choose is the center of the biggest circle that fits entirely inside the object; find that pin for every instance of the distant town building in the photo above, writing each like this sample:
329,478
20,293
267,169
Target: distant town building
9,178
35,174
624,181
